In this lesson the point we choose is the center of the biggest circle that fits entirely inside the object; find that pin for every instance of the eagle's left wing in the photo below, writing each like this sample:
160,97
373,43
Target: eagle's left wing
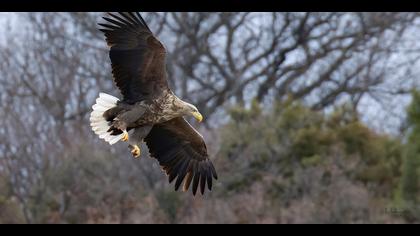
182,153
137,57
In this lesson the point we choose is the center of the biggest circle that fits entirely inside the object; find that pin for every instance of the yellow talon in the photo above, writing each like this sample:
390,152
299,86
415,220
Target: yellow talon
136,151
125,136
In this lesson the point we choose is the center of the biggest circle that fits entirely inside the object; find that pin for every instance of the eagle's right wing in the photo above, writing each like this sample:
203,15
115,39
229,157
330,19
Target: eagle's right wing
182,153
137,57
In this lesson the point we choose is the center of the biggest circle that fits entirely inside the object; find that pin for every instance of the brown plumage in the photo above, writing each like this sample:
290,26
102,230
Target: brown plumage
181,150
149,107
137,57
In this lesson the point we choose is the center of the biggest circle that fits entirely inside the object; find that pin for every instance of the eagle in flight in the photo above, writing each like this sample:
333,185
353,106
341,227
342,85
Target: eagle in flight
149,111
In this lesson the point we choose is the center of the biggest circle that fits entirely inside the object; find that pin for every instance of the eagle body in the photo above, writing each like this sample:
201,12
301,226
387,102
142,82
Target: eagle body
149,111
144,113
161,109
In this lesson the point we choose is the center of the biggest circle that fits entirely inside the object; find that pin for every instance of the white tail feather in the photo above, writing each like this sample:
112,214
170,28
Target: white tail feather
98,123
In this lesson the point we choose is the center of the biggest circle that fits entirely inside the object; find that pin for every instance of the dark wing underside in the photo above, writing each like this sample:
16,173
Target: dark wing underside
182,154
137,57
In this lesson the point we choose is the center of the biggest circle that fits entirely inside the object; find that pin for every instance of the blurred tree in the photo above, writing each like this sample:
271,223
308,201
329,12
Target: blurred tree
409,186
303,155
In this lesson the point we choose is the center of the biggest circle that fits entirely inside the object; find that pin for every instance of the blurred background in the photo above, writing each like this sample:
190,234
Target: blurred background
309,118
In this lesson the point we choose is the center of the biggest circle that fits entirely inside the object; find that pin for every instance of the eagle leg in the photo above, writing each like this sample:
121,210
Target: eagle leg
125,136
135,150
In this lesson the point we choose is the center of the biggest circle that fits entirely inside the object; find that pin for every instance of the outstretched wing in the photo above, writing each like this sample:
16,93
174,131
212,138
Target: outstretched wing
137,57
182,154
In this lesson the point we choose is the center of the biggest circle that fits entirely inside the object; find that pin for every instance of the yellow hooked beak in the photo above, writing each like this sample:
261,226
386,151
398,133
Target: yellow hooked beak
197,115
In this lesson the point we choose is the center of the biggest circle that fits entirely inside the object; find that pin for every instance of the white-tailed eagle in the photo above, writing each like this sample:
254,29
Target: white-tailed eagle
149,111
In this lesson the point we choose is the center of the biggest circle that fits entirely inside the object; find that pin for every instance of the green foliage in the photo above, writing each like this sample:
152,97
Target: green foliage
409,180
312,161
169,202
288,138
413,116
408,196
10,211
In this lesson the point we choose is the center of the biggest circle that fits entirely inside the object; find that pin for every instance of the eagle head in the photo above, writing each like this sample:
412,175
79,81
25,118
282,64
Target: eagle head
188,109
